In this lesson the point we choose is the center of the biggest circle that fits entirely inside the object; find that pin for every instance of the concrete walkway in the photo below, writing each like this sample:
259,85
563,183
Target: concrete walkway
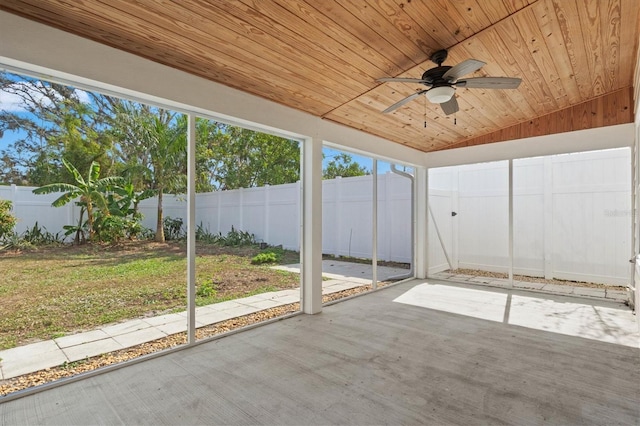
50,353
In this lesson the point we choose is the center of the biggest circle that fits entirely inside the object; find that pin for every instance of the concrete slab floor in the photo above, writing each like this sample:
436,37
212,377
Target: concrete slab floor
367,360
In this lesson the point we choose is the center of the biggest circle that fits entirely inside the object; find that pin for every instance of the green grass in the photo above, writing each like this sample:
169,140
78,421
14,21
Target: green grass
50,293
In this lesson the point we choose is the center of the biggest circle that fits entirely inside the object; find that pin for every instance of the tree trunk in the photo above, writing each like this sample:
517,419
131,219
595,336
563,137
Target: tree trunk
79,232
159,224
90,220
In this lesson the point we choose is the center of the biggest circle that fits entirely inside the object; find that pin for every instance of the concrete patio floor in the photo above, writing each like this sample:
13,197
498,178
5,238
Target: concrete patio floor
387,357
50,353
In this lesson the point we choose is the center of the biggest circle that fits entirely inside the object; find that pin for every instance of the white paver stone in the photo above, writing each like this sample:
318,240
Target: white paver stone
222,306
285,300
165,319
262,304
562,289
98,347
139,336
30,358
528,285
241,310
175,327
214,317
586,291
126,327
80,338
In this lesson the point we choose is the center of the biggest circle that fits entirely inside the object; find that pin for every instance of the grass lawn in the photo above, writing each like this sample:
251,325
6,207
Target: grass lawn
59,290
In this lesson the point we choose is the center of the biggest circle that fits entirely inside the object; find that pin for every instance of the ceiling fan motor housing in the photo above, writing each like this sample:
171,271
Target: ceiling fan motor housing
433,76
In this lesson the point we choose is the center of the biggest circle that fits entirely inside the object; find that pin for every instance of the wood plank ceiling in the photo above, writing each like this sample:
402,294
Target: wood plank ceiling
576,58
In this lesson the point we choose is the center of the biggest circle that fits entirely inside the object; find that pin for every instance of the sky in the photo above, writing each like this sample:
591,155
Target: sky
11,102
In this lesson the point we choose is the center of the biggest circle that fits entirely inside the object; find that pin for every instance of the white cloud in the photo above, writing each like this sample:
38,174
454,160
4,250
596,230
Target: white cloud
10,102
83,96
14,103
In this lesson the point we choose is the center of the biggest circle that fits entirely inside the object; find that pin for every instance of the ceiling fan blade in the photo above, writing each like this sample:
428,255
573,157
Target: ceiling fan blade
490,83
450,106
401,80
403,101
463,68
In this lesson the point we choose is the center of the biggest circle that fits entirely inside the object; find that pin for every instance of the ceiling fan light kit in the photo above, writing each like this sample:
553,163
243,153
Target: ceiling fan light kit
439,95
441,82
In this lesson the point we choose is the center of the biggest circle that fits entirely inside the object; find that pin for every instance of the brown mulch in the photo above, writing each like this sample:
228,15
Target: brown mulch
71,369
524,278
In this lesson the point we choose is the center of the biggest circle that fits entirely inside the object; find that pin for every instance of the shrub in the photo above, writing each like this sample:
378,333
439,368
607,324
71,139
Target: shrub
265,257
238,238
270,255
15,242
38,236
204,235
173,228
111,229
146,233
7,220
206,289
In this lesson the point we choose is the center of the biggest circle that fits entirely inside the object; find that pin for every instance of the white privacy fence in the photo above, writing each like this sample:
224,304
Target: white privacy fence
271,213
572,216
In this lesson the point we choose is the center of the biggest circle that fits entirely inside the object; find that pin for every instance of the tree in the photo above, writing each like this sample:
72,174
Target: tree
55,122
151,144
343,165
7,220
91,192
230,157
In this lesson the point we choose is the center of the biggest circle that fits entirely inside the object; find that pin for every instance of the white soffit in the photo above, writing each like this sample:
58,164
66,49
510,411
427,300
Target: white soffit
50,53
619,136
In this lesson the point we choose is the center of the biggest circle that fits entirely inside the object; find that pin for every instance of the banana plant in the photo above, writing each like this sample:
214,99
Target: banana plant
90,192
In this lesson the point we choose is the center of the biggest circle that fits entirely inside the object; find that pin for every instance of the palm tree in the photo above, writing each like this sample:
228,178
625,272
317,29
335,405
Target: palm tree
152,144
90,191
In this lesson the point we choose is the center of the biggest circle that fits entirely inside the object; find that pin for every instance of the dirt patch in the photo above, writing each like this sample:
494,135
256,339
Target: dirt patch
524,278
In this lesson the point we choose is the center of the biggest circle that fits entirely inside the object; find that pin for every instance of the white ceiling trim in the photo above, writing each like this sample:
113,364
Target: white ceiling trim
621,135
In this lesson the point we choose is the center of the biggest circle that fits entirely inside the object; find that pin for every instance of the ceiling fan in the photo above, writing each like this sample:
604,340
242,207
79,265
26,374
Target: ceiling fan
443,80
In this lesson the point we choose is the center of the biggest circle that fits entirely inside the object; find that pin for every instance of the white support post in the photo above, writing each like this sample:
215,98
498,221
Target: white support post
455,222
548,216
374,230
219,201
240,225
191,230
510,223
422,222
266,215
311,247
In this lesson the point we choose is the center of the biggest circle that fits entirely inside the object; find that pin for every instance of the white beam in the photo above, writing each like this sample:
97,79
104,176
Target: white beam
510,223
422,222
374,225
191,229
618,136
311,223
